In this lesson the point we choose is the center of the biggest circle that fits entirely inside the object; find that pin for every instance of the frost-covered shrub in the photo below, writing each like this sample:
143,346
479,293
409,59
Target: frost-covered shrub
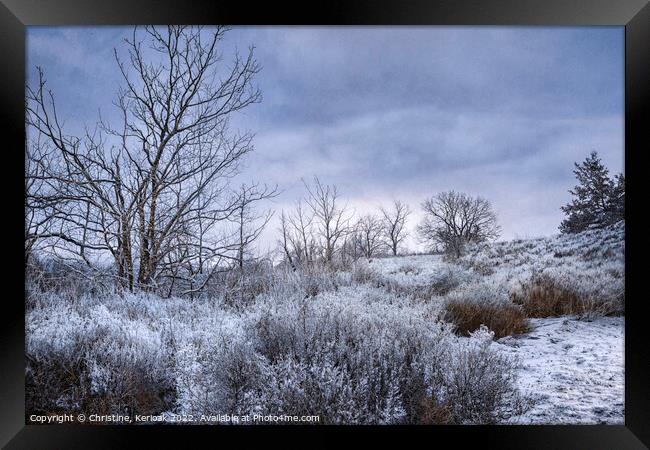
217,374
298,356
92,360
478,386
347,356
476,261
320,388
55,373
69,280
370,352
483,303
362,273
239,287
350,353
409,269
448,279
306,281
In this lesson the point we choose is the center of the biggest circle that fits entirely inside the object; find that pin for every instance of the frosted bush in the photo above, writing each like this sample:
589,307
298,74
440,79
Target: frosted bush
87,357
348,356
218,375
366,347
478,386
423,277
349,352
306,281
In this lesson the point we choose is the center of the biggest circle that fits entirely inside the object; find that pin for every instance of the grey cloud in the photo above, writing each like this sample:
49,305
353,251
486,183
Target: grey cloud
403,112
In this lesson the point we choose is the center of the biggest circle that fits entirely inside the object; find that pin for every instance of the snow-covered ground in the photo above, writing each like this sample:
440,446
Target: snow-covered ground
417,270
573,370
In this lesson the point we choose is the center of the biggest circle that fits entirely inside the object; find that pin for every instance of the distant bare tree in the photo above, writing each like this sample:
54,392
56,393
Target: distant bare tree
298,240
455,219
151,191
304,241
368,234
332,220
394,224
250,223
350,249
286,241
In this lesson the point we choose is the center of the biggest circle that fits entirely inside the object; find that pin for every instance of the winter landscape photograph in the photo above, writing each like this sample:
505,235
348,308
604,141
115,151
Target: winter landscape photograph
324,225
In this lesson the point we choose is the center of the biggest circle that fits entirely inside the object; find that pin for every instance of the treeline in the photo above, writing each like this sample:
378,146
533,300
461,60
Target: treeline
322,228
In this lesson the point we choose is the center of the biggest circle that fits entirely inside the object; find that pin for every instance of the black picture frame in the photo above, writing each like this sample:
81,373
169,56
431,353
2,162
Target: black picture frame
16,15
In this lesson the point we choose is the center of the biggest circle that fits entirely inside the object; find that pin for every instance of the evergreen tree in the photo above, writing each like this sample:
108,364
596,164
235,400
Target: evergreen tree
597,199
617,199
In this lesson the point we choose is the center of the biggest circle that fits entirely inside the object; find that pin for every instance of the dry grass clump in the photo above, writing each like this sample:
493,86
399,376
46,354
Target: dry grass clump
546,295
483,303
503,318
434,412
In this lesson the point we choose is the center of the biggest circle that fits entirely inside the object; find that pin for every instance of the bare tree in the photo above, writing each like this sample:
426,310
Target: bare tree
331,218
151,191
304,242
250,223
368,233
455,219
298,240
394,224
40,196
286,240
350,249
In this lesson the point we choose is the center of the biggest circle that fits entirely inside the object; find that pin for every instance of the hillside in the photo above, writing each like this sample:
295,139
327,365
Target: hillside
571,366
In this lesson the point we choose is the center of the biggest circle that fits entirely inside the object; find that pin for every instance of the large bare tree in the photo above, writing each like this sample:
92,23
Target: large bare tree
394,224
151,189
455,219
40,196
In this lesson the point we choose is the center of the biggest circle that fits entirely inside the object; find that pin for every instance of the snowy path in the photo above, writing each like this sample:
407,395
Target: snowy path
574,370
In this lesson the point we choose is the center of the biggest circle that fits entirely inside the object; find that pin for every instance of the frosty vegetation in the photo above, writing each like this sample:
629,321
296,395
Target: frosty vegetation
145,293
314,342
390,340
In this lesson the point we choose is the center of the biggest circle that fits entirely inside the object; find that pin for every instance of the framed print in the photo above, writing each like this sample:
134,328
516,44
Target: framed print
387,219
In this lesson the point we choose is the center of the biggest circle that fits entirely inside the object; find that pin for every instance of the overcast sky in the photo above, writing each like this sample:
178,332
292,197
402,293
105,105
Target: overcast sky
400,112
